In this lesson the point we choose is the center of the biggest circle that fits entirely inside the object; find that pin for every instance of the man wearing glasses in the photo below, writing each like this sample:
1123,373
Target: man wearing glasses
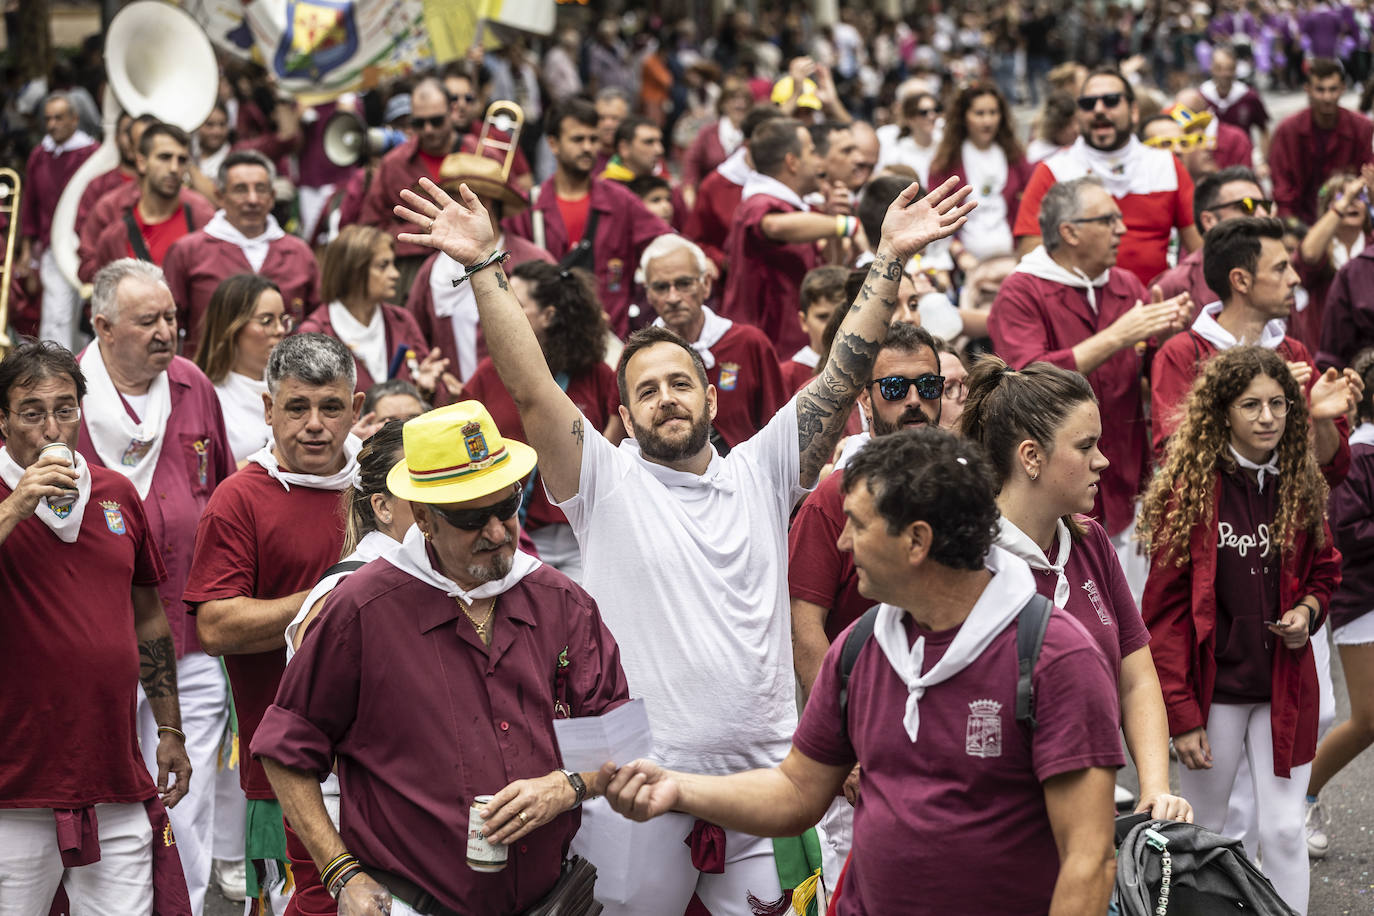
1151,186
1069,303
154,417
1230,193
267,536
739,360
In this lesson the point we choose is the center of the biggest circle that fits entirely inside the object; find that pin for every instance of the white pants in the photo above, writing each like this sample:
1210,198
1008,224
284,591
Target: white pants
1241,732
31,864
231,807
558,548
836,831
646,869
204,718
1134,563
58,320
312,203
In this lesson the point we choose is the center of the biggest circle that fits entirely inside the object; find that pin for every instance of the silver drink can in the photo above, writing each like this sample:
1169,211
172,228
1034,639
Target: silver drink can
483,855
60,503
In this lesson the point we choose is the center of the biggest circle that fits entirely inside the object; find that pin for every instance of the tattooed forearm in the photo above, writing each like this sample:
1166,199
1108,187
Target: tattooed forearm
891,270
157,667
501,278
577,430
823,406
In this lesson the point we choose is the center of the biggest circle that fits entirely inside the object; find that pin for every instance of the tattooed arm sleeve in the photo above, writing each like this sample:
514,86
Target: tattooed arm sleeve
157,656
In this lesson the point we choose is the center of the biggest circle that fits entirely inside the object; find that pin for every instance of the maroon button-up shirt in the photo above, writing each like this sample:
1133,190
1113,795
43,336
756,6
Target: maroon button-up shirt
395,684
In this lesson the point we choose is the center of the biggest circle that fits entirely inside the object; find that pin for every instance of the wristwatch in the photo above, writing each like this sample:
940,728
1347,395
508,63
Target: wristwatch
579,786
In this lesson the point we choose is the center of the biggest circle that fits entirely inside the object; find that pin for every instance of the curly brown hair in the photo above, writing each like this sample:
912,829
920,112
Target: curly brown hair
576,339
1182,494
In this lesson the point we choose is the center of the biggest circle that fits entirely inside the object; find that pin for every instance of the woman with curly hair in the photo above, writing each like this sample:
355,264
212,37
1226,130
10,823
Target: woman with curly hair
568,321
1040,427
979,146
1242,569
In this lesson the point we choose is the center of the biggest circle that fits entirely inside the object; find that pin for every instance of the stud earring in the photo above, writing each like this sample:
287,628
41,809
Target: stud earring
427,535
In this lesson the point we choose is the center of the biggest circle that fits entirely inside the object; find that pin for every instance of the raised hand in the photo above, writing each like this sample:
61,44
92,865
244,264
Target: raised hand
430,371
910,225
460,228
1301,372
1330,396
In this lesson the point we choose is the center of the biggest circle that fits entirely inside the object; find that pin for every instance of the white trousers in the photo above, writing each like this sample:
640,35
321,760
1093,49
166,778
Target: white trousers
204,718
1134,563
60,302
1241,732
312,202
646,869
836,831
31,864
231,808
558,548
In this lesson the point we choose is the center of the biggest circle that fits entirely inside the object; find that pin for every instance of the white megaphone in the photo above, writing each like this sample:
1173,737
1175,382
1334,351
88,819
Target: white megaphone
348,140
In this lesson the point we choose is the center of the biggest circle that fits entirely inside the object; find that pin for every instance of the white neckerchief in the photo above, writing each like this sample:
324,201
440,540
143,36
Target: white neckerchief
1013,540
129,447
339,480
852,445
1011,586
1222,103
67,526
1270,467
412,559
78,140
1209,330
736,169
1363,434
367,342
713,328
373,545
807,357
1038,263
714,476
1341,255
729,135
760,183
1113,168
240,400
254,249
459,305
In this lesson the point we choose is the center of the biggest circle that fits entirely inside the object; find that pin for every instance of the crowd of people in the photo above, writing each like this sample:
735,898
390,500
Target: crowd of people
778,383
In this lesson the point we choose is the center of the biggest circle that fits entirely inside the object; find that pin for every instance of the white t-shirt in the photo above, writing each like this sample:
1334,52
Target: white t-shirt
690,573
987,232
894,149
367,341
240,400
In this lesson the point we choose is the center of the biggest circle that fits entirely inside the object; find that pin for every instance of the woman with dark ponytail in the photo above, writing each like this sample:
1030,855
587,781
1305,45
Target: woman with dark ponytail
1040,427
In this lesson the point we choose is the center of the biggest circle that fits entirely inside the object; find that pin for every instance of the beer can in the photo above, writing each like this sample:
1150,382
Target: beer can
483,855
67,500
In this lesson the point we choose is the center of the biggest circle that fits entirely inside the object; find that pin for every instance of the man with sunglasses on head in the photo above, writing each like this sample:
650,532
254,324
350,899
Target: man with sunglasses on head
1317,142
267,536
1230,193
1069,303
1196,150
1151,186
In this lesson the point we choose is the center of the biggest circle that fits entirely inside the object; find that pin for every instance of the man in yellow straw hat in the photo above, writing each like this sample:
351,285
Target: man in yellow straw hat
433,677
686,550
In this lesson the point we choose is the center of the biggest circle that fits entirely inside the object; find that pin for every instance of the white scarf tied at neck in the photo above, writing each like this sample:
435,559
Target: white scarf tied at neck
341,479
1015,541
254,249
714,476
124,444
1011,587
412,559
66,527
1270,467
1039,264
713,328
759,183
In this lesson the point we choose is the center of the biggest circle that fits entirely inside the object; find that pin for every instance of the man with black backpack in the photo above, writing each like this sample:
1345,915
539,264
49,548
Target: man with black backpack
987,746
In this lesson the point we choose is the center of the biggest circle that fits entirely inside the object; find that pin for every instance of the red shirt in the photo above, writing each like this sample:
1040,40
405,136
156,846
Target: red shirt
71,672
431,163
593,392
114,242
818,571
764,284
160,236
250,544
749,386
971,823
574,212
421,717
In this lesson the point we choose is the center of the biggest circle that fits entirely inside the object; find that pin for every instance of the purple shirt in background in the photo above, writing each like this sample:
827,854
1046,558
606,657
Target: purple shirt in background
1322,29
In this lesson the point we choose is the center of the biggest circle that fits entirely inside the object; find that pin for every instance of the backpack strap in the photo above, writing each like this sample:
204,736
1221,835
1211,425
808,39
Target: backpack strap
1031,623
849,654
190,223
343,566
136,241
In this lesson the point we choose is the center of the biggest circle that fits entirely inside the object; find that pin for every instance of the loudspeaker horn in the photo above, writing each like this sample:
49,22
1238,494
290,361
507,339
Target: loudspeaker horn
348,141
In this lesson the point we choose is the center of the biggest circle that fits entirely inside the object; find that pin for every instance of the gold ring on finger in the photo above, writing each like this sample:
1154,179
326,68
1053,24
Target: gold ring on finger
524,818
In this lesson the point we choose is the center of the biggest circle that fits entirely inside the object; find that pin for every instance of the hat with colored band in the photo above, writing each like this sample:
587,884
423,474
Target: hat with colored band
456,453
1191,121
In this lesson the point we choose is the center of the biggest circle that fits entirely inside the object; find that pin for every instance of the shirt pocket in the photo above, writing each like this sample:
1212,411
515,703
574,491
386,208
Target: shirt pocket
198,451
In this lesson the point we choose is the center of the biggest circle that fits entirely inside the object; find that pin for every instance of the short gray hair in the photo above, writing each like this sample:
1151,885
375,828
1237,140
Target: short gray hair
243,157
61,95
1062,202
314,359
666,244
104,298
607,93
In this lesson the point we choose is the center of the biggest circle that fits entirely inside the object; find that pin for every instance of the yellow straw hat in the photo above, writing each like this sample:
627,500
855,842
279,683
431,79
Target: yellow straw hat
455,454
782,91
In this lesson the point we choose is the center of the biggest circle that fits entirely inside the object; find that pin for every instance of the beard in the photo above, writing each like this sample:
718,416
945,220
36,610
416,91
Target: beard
499,566
657,447
881,427
1119,139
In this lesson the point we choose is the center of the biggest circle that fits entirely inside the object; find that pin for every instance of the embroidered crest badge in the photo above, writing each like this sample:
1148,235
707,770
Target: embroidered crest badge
114,517
202,450
983,736
729,376
475,442
168,840
135,453
61,509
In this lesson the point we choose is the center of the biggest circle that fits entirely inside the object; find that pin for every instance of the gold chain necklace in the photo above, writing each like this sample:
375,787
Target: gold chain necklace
479,626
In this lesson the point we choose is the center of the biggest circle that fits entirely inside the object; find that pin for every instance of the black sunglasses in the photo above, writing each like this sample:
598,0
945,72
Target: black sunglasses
930,112
476,519
1110,99
435,121
894,387
1248,204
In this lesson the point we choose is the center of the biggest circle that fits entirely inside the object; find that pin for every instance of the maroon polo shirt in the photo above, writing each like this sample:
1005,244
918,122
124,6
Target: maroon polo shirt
71,671
256,540
197,264
1186,277
1034,319
45,179
1352,524
593,392
1302,157
709,222
963,807
818,571
764,284
796,376
749,386
395,685
1233,147
194,460
1247,112
1247,587
398,325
